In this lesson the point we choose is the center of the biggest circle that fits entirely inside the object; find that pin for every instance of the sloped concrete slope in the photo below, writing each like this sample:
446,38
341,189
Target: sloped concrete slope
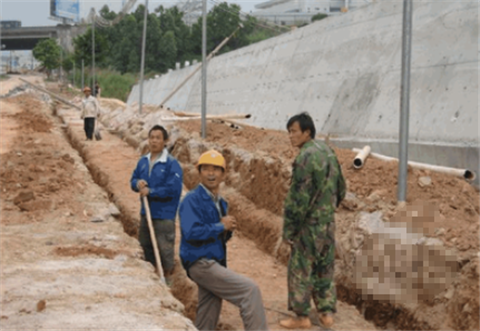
345,71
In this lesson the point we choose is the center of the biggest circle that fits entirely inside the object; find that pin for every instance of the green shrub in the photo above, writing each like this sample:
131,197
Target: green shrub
112,83
319,17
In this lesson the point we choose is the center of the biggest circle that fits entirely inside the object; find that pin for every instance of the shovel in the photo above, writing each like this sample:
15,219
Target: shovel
154,240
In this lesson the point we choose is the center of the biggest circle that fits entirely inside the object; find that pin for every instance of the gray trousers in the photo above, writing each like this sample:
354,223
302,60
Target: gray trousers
165,235
215,283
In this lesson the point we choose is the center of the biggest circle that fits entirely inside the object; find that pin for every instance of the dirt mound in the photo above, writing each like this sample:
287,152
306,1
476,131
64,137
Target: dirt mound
457,200
259,160
31,120
31,175
271,142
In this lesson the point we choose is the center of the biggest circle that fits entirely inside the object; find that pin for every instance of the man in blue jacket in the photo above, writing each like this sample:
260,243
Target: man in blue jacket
206,228
158,176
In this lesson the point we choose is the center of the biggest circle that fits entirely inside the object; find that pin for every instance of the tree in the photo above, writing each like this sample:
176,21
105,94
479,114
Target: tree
47,52
83,48
107,14
171,19
68,62
168,51
127,45
318,17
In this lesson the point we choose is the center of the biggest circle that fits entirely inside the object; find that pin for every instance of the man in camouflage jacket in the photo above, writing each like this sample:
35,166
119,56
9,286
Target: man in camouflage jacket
317,188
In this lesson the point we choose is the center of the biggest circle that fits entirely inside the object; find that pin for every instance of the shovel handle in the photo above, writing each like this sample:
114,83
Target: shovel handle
153,238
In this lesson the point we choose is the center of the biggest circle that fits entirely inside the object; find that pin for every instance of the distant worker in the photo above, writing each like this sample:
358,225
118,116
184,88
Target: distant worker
205,229
316,190
90,111
98,90
158,176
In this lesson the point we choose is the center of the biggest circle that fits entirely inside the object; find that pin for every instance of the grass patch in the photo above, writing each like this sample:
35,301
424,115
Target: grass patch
112,83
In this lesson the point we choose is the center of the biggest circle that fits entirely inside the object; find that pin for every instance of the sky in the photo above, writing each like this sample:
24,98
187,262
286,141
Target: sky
37,12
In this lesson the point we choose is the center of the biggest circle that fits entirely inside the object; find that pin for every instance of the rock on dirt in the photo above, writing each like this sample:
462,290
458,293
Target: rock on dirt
23,197
424,181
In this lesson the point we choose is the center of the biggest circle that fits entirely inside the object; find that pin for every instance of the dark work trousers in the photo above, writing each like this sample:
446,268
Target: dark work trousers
89,126
217,283
165,235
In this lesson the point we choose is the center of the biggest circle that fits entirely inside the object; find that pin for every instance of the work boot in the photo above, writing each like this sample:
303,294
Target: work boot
326,319
299,322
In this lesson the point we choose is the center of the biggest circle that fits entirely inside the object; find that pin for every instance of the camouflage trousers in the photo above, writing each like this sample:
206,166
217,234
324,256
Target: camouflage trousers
310,270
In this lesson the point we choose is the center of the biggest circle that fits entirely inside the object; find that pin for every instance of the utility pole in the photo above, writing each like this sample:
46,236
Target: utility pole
93,54
83,74
142,64
405,99
204,70
61,63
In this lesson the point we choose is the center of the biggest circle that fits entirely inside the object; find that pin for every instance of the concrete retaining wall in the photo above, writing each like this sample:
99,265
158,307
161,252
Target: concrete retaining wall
345,71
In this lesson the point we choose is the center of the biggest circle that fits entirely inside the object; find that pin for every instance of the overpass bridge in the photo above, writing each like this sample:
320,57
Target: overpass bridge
25,38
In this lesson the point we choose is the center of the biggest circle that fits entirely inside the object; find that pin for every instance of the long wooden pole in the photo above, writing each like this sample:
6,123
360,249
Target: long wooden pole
154,239
176,89
53,95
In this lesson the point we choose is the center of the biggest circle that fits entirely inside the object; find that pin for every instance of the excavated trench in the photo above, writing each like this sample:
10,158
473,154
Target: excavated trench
182,288
255,187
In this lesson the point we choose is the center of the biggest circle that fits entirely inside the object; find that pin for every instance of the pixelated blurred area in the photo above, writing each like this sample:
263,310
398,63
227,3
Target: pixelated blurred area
421,217
403,259
397,261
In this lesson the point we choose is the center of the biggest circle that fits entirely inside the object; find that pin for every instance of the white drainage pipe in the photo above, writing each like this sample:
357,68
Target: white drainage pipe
463,173
359,160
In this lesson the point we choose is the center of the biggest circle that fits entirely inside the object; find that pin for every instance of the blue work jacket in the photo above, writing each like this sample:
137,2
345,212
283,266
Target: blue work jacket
203,235
164,182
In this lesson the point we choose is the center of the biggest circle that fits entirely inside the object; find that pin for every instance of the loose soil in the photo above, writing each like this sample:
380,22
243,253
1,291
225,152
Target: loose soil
252,253
374,188
59,269
111,162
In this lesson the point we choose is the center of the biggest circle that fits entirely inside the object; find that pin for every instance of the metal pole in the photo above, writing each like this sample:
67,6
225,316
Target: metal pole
83,74
405,99
204,70
93,55
142,64
61,63
73,74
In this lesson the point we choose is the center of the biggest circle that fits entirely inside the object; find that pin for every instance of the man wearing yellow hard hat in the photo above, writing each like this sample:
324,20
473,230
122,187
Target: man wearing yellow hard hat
206,228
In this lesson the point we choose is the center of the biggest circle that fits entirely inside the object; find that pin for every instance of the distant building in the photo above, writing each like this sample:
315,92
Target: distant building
10,24
294,12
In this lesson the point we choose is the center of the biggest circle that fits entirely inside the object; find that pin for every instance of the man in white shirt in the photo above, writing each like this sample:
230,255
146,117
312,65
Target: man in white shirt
90,111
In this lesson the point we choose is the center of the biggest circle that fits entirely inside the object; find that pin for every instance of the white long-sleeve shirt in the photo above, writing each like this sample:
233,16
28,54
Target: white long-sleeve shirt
90,107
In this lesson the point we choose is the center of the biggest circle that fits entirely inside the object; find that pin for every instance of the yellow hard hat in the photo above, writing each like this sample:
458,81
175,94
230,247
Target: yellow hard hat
212,157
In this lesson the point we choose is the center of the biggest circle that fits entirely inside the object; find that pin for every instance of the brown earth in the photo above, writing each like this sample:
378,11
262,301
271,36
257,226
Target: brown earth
65,263
374,188
254,247
458,201
111,162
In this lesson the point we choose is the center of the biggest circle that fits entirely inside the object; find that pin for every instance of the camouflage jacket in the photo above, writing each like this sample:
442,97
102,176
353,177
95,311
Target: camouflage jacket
317,188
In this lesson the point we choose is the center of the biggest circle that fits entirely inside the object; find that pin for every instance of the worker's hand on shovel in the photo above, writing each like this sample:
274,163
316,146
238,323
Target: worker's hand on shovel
144,191
141,184
229,222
